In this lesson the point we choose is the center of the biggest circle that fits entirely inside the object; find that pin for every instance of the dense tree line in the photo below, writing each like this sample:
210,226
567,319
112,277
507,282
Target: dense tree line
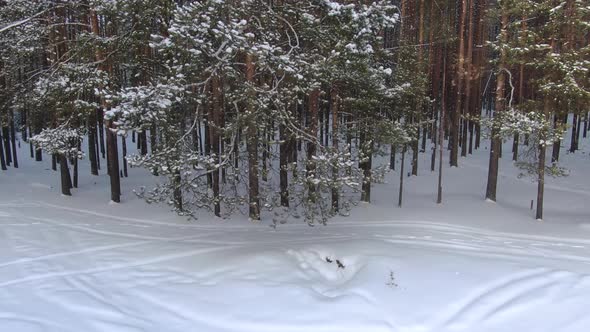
283,105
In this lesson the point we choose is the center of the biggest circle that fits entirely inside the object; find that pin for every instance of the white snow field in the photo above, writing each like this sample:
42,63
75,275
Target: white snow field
82,264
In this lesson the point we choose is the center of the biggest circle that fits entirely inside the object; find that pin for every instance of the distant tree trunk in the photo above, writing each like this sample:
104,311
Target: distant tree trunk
96,148
216,109
584,132
31,149
178,202
75,182
38,152
578,129
252,147
5,133
314,97
66,182
401,177
92,153
557,145
54,162
541,169
335,169
516,141
441,133
13,140
265,148
366,165
284,167
392,157
153,145
2,158
541,181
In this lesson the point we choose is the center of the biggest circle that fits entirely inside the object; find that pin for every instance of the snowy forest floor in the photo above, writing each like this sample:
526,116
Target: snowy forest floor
73,264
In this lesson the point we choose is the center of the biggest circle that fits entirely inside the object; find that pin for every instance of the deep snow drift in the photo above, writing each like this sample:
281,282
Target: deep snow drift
82,264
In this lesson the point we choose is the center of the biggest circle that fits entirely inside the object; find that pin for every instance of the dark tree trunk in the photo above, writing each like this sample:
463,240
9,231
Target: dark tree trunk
66,182
392,157
454,160
113,165
283,161
178,202
335,103
366,165
124,147
541,182
97,147
54,162
6,141
401,178
584,132
101,131
144,146
216,109
75,182
92,155
578,129
311,145
13,140
2,157
496,142
557,145
252,148
574,130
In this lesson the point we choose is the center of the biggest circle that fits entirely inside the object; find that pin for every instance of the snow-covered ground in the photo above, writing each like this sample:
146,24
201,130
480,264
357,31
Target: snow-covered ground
81,264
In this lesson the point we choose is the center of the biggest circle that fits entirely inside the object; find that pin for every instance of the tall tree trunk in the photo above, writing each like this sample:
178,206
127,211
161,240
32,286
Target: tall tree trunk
112,146
284,167
454,160
541,181
314,97
468,79
420,105
441,134
252,147
216,108
335,170
496,142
